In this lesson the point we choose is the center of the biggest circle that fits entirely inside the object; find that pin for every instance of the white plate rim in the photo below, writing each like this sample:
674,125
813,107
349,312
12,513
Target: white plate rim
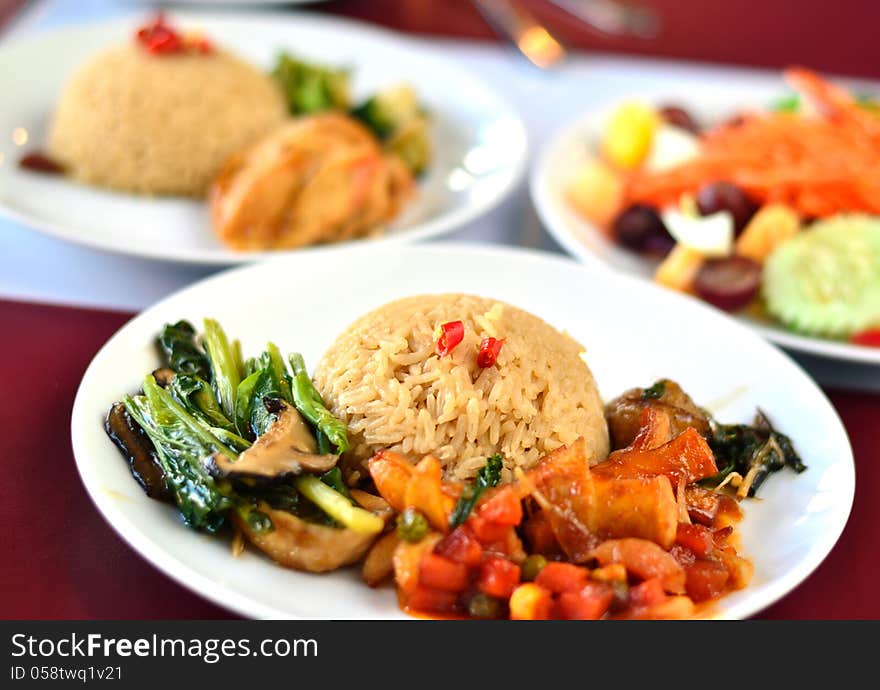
181,573
542,195
445,223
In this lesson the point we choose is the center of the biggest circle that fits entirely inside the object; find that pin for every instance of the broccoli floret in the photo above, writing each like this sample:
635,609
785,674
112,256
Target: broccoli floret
311,88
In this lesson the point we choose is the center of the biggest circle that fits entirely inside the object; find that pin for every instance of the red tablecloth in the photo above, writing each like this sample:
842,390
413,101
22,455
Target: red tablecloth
62,561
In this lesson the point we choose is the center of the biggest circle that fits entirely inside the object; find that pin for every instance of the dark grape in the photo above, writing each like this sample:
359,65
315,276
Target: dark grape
724,196
641,228
729,284
679,117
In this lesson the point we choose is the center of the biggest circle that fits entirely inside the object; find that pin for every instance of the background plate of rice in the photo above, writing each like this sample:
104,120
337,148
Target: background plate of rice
479,142
632,334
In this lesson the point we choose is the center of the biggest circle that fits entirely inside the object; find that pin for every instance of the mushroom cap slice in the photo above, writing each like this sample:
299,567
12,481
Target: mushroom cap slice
295,543
287,448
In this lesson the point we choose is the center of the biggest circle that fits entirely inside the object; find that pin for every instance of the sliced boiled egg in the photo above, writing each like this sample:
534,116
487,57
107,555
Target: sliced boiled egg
711,236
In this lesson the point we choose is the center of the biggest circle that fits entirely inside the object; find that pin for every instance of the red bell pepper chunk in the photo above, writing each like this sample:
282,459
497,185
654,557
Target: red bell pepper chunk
563,577
697,538
869,338
432,600
504,508
441,573
647,593
705,579
498,577
460,546
587,604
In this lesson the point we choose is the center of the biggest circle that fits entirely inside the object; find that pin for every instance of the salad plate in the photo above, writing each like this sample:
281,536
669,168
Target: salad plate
632,334
574,144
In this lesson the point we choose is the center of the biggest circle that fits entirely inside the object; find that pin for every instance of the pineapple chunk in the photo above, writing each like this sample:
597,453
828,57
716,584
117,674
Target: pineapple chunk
769,227
679,268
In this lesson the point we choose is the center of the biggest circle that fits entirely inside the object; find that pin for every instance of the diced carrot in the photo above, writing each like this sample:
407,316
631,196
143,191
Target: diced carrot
504,508
460,546
585,604
697,538
432,600
486,531
648,593
562,577
530,602
705,579
498,577
441,573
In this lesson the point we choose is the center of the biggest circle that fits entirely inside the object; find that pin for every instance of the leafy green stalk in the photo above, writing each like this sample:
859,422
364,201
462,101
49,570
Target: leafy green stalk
308,401
195,394
333,478
225,375
759,448
487,476
181,444
279,369
180,351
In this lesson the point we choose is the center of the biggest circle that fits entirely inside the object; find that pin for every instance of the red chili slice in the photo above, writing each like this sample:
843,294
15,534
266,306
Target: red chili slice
159,38
451,334
488,354
869,338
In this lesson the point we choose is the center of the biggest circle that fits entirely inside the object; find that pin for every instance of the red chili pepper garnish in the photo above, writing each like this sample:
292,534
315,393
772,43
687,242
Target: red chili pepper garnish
451,334
158,38
489,349
40,162
869,338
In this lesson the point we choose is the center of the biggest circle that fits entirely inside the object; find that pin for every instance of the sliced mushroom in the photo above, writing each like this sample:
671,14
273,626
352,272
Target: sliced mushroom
288,447
295,543
164,376
137,448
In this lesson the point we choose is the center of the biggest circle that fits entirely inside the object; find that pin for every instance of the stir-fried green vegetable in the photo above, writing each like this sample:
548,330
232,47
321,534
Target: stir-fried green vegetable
178,345
396,118
217,404
181,444
752,451
225,374
487,476
311,88
308,401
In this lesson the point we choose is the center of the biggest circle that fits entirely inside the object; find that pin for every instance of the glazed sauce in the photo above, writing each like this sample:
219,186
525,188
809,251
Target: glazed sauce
37,161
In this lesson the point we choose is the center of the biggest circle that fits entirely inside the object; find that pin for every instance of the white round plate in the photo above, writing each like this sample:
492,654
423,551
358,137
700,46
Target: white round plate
560,160
633,334
479,141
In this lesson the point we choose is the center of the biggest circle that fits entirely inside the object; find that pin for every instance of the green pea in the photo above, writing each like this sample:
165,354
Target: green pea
411,525
533,565
484,606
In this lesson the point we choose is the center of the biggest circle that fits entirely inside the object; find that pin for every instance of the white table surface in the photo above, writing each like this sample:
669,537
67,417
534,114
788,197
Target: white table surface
38,268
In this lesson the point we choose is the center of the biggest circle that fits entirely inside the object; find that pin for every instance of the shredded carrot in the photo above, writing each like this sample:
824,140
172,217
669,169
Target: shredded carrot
819,164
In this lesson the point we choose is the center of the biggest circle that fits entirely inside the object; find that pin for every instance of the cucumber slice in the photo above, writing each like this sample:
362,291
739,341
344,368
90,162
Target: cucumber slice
826,280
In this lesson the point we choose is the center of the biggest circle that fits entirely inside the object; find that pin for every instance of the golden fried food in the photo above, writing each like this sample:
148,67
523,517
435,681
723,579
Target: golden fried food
316,179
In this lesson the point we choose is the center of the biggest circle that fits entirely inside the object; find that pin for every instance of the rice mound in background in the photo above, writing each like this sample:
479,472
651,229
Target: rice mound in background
149,124
382,376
